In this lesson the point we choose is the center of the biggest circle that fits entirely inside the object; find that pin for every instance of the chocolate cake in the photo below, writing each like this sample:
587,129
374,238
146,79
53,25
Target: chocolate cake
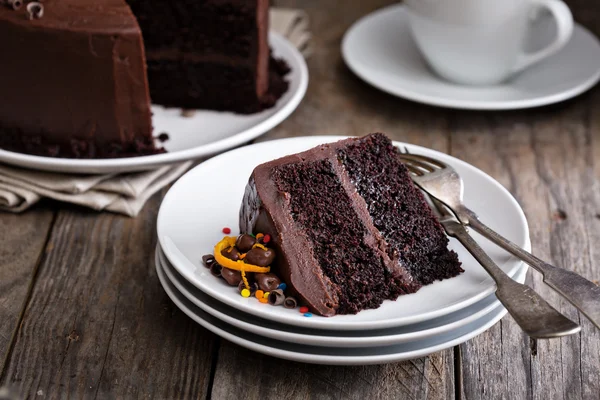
77,78
349,227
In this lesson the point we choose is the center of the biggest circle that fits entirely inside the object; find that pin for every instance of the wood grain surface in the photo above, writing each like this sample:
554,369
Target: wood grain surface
23,241
83,314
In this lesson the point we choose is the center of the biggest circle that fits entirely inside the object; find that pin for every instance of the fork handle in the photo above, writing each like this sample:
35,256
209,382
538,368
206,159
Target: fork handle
534,315
582,293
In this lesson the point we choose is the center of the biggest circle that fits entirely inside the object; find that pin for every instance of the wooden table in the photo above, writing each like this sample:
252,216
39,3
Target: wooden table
82,313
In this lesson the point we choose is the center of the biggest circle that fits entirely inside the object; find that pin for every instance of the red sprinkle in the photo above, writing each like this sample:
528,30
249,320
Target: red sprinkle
226,230
266,238
303,310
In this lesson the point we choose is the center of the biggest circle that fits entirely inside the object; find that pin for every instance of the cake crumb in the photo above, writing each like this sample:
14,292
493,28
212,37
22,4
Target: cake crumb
560,215
163,137
187,113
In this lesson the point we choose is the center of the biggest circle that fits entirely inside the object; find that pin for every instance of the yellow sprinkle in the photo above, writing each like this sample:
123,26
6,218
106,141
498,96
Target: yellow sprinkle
245,293
266,295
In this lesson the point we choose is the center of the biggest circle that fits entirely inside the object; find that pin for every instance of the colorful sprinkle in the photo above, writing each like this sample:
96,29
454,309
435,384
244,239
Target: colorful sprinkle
245,293
259,294
263,300
266,295
303,310
267,239
282,286
259,235
308,314
226,230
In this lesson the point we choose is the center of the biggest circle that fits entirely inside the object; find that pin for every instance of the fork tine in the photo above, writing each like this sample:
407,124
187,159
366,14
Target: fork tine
414,169
437,163
416,161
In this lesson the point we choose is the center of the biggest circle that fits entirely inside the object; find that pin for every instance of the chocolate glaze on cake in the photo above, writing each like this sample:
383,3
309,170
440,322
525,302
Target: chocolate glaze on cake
73,83
348,232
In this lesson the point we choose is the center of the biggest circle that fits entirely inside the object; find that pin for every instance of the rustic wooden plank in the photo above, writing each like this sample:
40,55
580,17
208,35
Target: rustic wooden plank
98,323
547,159
246,374
23,238
338,103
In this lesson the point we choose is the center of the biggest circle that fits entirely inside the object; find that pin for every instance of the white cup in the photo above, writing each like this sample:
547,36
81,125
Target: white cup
480,42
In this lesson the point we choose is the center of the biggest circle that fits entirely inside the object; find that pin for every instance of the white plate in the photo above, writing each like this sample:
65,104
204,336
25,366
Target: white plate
325,338
208,198
204,134
330,355
380,50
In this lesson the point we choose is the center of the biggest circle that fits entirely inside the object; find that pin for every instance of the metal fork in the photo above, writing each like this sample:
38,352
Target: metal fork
443,183
534,315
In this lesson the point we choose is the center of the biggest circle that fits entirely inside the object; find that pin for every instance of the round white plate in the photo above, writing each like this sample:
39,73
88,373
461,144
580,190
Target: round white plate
208,198
330,355
325,338
380,50
204,134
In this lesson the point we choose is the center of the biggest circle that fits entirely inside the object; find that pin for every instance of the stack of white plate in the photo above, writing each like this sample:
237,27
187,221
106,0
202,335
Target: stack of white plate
206,200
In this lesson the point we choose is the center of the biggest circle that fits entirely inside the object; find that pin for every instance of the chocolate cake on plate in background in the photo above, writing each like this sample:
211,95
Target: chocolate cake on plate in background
77,76
349,227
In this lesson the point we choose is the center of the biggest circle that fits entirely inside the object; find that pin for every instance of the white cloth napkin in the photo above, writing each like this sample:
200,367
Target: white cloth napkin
121,193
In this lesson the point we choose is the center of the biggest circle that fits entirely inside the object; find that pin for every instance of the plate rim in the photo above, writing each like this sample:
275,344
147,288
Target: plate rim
142,163
318,323
493,318
330,340
459,104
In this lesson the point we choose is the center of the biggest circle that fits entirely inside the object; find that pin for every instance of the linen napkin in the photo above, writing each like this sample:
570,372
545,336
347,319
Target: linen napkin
121,193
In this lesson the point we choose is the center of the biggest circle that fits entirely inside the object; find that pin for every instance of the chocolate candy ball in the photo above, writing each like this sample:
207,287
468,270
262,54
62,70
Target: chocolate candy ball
260,257
267,282
245,242
232,276
232,253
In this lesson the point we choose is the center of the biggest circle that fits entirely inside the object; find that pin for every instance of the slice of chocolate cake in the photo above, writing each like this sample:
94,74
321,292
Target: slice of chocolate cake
349,227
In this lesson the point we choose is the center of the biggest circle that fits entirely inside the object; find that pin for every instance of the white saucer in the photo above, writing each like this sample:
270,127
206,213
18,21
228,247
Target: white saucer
208,198
330,355
325,338
204,134
380,50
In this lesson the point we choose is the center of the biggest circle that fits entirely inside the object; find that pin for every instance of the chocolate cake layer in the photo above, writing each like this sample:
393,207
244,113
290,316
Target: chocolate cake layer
202,85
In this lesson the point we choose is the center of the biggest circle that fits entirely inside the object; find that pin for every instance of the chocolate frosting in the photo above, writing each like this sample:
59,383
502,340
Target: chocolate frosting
77,72
264,209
